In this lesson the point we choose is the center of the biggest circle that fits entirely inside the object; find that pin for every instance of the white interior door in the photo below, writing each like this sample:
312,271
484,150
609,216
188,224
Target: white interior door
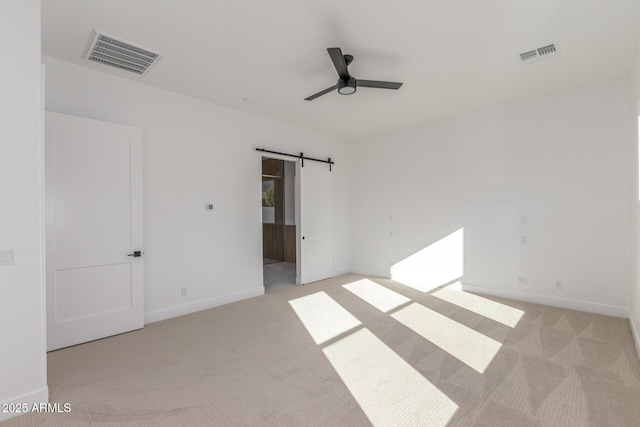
315,256
93,189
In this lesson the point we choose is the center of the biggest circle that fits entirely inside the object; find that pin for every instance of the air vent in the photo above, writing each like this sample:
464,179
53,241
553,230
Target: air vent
528,56
539,53
547,50
109,50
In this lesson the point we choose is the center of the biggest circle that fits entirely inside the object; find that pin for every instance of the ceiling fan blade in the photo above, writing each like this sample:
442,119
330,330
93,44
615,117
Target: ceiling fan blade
338,61
377,84
322,92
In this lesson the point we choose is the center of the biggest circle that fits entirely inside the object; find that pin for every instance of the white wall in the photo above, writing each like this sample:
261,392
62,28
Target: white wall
268,215
22,349
196,152
561,161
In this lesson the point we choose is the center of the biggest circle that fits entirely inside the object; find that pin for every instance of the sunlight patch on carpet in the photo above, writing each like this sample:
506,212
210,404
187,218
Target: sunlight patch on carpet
387,388
323,317
470,347
382,298
501,313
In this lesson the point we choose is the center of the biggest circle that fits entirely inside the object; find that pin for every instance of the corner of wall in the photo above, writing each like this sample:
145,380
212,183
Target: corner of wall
23,355
634,333
634,110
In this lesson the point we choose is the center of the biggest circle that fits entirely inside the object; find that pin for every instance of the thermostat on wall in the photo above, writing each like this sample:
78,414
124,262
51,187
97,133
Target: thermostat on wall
208,206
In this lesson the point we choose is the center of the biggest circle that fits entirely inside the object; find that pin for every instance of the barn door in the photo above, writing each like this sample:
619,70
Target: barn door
316,211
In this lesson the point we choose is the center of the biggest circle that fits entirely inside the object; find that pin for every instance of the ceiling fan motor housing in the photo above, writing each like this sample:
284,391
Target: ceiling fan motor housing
347,87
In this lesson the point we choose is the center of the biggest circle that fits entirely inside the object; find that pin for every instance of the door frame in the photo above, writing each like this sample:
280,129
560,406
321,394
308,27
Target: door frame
296,180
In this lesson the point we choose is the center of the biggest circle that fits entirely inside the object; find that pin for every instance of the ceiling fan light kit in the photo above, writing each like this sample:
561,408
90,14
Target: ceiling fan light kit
348,87
347,84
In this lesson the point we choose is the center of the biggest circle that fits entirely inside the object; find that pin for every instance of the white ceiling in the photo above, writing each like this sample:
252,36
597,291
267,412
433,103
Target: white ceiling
452,56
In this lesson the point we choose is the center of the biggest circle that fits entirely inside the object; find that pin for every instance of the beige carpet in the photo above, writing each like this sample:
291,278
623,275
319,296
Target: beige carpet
255,363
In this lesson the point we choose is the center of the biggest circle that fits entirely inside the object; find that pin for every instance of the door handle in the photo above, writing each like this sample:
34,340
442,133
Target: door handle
136,254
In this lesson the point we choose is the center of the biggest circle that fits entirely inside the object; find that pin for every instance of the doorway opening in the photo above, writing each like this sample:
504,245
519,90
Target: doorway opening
278,224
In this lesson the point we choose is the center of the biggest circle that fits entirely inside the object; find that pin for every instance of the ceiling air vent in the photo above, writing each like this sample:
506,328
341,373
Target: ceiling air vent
539,53
528,56
547,50
108,50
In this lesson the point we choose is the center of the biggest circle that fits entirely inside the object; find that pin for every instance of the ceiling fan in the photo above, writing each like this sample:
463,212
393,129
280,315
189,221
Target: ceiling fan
347,84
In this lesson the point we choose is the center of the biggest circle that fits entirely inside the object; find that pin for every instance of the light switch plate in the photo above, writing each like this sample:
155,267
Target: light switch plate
7,257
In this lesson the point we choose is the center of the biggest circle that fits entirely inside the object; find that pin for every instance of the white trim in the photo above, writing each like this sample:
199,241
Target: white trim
571,304
193,307
340,271
34,397
297,198
370,272
634,334
277,157
43,228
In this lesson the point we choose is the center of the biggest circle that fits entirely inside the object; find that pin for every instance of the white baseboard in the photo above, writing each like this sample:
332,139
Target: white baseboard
29,399
341,270
364,271
192,307
590,307
634,333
